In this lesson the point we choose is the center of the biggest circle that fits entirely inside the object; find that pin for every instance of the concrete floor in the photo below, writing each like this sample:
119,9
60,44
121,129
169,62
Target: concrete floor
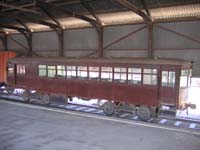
24,128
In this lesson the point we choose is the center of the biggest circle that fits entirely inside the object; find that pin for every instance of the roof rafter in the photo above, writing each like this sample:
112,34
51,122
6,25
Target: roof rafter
87,6
145,7
134,9
72,14
13,28
47,12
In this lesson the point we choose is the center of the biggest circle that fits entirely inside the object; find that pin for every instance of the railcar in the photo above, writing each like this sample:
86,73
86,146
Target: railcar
141,86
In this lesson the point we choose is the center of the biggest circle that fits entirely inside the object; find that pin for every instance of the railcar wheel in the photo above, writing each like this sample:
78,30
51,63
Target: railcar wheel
109,108
144,113
45,99
26,95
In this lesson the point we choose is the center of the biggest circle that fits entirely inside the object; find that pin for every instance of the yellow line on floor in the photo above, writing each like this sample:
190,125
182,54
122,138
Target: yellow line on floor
100,117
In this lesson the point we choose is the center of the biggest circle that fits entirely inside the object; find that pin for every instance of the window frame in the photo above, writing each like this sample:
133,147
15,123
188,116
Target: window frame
188,75
121,72
106,70
20,69
94,71
151,75
132,73
80,71
169,83
49,69
57,70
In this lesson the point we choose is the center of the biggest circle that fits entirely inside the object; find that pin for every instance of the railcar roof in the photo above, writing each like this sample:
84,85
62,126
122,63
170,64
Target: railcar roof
158,61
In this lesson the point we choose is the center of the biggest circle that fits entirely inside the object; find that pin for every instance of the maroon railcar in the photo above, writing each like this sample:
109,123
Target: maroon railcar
141,85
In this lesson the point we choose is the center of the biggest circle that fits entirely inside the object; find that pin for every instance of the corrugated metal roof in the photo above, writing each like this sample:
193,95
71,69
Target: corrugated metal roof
174,13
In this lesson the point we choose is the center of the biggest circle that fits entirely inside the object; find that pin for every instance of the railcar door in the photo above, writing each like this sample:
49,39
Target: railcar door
168,87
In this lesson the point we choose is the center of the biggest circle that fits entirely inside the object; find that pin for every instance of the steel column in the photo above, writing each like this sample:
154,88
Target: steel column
4,41
100,41
150,40
60,34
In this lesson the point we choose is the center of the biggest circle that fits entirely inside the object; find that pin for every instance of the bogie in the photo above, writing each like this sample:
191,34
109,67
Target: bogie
26,95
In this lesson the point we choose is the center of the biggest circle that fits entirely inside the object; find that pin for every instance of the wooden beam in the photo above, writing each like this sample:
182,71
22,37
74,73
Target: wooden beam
131,7
150,41
179,34
19,8
72,14
87,6
48,13
13,28
145,7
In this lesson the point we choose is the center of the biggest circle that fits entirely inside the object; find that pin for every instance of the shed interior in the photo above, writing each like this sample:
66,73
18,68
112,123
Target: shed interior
102,28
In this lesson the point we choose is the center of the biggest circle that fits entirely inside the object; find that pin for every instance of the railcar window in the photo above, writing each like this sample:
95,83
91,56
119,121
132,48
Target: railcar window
21,69
94,73
150,76
184,78
120,74
168,78
42,70
134,75
71,71
61,72
82,72
106,74
51,71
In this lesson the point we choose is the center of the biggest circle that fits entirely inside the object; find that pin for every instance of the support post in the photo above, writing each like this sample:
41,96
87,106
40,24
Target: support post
60,34
150,40
30,46
100,41
4,40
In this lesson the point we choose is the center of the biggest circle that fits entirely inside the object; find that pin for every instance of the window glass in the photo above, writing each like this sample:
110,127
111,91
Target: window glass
61,71
94,73
21,69
42,70
184,72
150,76
106,74
183,81
82,72
120,74
150,71
168,78
51,71
71,71
134,75
10,71
185,78
164,78
149,79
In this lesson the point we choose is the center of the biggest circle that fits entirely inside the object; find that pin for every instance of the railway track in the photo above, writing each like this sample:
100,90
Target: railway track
162,120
